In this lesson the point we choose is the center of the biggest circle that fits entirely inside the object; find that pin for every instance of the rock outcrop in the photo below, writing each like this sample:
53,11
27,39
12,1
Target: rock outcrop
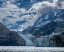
10,38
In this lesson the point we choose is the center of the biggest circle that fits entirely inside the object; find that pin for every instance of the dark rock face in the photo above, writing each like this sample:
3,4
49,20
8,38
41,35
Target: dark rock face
58,40
49,28
10,38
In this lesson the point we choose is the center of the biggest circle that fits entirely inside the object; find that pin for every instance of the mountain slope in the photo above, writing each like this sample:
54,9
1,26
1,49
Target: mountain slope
58,40
53,21
10,38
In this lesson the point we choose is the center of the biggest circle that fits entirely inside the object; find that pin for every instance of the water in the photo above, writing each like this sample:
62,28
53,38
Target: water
30,49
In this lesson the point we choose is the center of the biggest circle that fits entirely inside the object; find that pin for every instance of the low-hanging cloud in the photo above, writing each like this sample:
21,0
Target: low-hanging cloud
60,4
12,13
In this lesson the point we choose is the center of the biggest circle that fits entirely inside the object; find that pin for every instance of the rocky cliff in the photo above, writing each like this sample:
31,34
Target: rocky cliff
10,38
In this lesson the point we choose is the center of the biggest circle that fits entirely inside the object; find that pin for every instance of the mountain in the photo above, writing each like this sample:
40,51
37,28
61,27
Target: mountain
44,33
58,40
10,38
53,21
52,40
48,30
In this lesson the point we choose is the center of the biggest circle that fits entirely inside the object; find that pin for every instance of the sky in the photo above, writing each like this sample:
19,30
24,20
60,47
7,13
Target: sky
20,14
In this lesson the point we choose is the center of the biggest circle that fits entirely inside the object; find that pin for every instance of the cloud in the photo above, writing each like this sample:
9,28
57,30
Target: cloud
11,13
39,8
60,4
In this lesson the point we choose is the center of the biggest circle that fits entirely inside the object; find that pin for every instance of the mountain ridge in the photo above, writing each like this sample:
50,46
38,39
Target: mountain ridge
10,38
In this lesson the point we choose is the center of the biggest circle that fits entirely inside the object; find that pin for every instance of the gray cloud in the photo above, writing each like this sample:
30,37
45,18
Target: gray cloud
21,14
60,4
